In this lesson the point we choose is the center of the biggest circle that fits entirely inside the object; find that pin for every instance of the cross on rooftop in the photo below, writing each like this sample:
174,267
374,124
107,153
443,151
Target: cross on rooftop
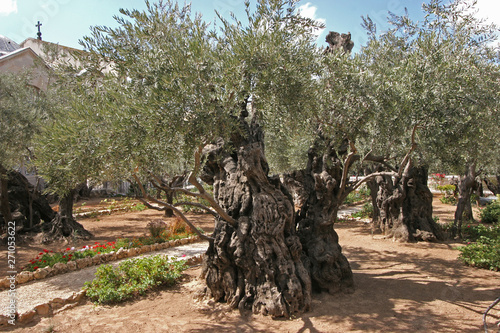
39,33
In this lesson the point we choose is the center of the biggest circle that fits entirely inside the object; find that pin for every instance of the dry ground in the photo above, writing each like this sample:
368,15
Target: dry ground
418,287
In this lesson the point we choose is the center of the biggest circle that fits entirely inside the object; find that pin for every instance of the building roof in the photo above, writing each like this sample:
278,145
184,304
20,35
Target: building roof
7,45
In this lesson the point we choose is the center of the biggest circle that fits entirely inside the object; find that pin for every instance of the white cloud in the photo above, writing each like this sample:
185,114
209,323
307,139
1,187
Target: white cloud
309,10
8,7
490,10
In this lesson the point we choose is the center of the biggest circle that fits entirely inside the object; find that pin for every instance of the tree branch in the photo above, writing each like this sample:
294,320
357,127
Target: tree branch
195,204
176,211
404,163
372,175
192,179
347,165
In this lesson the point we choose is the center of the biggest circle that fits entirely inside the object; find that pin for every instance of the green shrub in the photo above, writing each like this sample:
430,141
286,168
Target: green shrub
483,246
366,211
362,194
448,194
491,213
132,277
156,227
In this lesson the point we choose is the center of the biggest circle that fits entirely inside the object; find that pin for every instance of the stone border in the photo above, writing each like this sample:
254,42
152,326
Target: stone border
58,305
98,259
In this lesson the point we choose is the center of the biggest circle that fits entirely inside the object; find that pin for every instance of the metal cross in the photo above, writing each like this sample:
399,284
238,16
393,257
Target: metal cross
39,33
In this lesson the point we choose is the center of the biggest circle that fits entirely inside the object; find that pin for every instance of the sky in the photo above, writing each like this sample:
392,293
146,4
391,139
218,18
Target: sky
66,21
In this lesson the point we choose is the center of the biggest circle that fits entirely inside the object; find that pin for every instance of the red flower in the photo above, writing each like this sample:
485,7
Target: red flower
40,253
45,261
64,256
98,252
96,243
35,268
67,249
46,251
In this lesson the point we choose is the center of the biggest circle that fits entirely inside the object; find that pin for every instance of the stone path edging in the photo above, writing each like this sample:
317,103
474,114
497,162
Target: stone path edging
98,259
67,288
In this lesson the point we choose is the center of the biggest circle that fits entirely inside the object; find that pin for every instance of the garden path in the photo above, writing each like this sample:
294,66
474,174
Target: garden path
31,294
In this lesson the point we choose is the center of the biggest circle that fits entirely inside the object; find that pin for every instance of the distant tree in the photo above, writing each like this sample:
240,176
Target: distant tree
69,149
23,110
442,76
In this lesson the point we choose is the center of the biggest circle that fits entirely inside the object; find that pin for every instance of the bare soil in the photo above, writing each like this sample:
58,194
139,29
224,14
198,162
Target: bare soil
400,287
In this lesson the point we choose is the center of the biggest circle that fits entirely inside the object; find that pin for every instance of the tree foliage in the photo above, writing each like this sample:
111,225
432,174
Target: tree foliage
23,110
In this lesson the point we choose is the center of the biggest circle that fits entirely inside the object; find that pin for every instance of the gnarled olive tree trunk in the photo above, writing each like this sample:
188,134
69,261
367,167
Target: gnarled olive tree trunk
405,206
493,186
257,263
64,225
321,180
4,197
465,187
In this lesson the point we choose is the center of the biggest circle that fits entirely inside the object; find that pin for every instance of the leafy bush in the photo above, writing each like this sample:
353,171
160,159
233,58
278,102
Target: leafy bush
156,227
366,211
448,194
362,194
132,277
49,258
491,213
483,246
178,230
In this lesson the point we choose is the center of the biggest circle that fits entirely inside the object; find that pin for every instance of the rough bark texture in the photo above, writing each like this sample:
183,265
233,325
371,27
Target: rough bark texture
493,186
4,198
28,207
337,41
374,189
322,255
466,185
63,225
405,206
256,264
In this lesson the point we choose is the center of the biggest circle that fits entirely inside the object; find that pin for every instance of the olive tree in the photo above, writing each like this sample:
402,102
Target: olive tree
23,110
181,94
443,72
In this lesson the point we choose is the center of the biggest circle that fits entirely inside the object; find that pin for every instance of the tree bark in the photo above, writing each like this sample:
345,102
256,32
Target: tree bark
405,206
465,188
63,225
322,255
4,196
374,189
495,188
255,264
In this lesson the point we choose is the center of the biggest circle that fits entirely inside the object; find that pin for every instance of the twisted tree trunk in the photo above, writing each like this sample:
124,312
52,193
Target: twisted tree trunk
256,263
322,255
4,197
492,186
64,225
465,188
405,206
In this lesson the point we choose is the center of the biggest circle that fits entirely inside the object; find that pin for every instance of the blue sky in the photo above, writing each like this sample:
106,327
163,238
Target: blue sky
67,21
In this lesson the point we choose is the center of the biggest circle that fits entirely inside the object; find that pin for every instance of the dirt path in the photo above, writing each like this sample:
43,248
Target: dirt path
419,287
